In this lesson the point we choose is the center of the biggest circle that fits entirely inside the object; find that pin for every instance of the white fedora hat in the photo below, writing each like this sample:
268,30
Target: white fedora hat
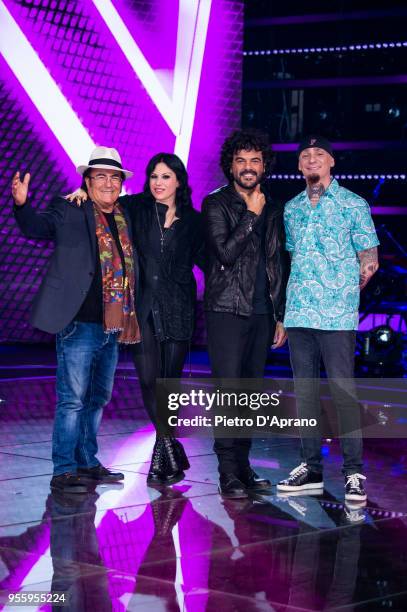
105,159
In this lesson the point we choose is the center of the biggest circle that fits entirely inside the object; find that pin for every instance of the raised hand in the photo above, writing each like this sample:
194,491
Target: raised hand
19,189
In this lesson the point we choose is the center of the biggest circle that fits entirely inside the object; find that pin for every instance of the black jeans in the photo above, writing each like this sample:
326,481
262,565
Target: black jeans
154,359
237,348
337,349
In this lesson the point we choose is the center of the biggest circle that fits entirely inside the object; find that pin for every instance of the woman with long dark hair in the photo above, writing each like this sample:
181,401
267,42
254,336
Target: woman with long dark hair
169,241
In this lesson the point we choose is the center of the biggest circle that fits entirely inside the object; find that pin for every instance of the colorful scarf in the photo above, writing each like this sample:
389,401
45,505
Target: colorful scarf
118,284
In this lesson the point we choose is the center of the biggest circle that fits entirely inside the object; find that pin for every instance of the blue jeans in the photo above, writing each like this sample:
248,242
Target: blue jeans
337,349
87,359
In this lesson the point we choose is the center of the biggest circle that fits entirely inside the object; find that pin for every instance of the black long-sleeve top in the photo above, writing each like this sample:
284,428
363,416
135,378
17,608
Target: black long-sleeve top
167,287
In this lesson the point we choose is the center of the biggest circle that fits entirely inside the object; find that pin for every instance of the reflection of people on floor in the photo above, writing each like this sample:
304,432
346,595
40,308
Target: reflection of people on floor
258,564
13,564
78,568
167,511
324,572
178,553
274,555
147,542
166,545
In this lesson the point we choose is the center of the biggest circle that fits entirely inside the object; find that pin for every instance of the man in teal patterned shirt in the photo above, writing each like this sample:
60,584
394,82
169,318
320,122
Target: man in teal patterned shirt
333,246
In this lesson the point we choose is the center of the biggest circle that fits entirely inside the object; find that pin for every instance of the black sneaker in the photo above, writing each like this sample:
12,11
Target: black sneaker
354,489
231,487
253,482
300,479
68,483
100,473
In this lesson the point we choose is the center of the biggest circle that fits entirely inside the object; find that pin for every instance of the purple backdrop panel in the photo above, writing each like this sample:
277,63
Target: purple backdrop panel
120,87
219,100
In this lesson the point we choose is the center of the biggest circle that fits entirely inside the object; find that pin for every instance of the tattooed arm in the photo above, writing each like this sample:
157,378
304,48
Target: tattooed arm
369,264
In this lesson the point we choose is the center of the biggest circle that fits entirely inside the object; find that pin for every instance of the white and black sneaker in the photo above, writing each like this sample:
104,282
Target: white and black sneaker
300,479
354,489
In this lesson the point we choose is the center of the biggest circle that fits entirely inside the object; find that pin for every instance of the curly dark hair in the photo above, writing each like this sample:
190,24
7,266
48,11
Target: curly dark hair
183,194
246,140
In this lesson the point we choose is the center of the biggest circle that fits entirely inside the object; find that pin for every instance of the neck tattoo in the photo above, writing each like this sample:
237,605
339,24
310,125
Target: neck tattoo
315,192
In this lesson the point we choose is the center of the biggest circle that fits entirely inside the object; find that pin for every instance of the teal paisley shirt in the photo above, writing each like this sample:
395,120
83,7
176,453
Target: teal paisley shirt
323,288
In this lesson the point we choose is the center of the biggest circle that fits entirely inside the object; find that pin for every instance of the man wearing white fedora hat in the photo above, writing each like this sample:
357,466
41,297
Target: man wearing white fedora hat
87,299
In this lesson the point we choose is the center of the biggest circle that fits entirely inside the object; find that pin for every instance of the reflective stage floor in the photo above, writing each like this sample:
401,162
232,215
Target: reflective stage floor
130,547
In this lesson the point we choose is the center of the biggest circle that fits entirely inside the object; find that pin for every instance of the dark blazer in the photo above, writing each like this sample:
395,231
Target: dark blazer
72,264
176,288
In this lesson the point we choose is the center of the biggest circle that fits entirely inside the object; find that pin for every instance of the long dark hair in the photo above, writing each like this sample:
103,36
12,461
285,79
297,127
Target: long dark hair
246,140
183,194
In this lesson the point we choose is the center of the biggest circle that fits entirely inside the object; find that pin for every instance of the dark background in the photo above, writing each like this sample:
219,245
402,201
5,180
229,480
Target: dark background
356,98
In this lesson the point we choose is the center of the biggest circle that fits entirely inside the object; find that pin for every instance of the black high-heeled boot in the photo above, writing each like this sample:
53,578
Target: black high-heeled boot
181,455
174,472
158,466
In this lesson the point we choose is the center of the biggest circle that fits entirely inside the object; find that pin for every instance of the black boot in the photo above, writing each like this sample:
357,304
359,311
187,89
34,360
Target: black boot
167,511
158,466
173,473
180,454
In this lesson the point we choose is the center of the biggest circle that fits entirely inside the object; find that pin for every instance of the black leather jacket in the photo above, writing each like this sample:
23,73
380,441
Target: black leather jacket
233,251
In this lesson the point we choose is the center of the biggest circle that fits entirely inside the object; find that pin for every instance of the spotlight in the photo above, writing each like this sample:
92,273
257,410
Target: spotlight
382,335
382,351
394,112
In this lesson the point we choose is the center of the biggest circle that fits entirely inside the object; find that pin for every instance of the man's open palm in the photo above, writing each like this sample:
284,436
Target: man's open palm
19,189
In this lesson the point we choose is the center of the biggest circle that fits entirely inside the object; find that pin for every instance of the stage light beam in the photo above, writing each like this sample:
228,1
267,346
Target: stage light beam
178,110
42,89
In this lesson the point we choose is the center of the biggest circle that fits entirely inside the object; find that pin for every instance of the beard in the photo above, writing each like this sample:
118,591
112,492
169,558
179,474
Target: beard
238,180
313,179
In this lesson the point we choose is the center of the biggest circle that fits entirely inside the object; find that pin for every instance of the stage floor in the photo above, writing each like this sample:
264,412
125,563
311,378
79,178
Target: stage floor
131,547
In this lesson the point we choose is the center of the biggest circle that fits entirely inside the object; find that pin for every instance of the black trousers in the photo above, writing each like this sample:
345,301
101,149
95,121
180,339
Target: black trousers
154,359
237,348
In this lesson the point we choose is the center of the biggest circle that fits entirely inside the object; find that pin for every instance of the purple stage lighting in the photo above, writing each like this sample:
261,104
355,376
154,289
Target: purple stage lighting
343,48
141,77
344,177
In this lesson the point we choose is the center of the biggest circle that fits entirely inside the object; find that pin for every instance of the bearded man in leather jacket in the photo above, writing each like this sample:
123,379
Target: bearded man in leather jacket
245,281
